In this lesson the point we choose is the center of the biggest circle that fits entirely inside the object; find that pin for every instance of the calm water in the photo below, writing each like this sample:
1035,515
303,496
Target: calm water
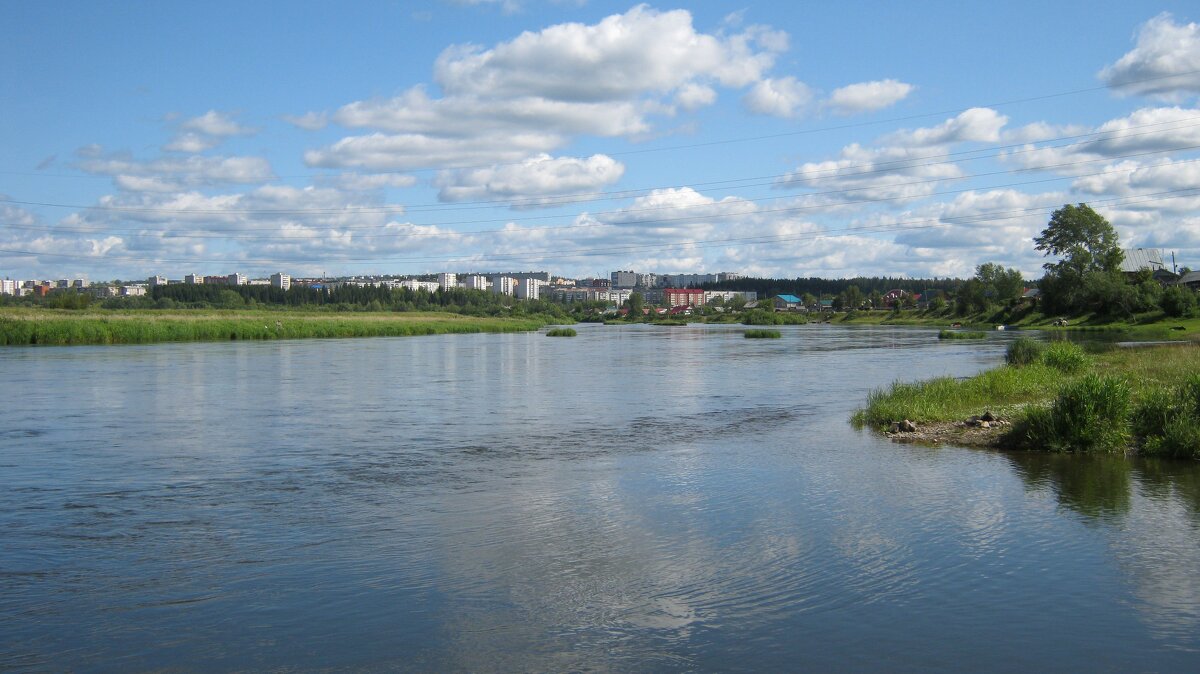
631,499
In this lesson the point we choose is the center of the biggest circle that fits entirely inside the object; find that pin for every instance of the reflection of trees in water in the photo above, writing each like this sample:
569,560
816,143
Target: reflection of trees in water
1102,486
1163,479
1096,486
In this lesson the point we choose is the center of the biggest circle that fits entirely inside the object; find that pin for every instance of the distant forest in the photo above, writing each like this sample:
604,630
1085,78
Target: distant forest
823,287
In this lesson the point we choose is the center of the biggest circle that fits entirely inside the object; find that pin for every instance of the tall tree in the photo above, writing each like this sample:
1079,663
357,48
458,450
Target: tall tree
1083,238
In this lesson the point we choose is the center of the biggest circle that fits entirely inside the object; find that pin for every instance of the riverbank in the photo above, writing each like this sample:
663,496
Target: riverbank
1056,397
1152,326
21,326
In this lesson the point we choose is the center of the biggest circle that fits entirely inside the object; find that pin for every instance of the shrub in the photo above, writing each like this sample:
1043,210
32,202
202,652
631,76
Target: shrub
561,332
1065,357
961,334
1168,420
762,334
1089,415
1178,301
1024,351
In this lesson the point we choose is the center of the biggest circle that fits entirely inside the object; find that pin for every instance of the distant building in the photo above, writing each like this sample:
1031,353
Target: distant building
281,281
787,303
447,281
236,279
9,287
133,291
1137,259
193,279
475,282
624,279
503,285
413,284
682,297
155,281
528,288
601,283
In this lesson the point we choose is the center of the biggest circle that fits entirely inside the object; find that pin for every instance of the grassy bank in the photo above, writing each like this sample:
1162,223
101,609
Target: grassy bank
1061,399
1153,325
50,327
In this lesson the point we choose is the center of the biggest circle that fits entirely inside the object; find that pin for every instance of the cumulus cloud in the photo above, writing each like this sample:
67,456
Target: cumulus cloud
309,121
545,87
1164,64
170,173
363,182
872,174
191,142
198,134
868,96
532,182
784,97
1143,131
981,125
214,123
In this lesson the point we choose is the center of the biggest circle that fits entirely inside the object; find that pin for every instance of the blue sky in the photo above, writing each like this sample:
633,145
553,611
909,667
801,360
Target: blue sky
779,139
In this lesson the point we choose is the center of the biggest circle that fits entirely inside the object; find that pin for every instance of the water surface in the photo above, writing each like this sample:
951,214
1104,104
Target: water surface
635,498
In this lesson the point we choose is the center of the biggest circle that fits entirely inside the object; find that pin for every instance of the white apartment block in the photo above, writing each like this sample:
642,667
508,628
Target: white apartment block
133,291
9,287
193,279
236,279
476,282
413,284
281,280
157,281
447,281
503,285
529,288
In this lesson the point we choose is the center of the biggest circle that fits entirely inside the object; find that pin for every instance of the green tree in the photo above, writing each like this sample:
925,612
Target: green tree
635,303
1089,272
854,298
1000,284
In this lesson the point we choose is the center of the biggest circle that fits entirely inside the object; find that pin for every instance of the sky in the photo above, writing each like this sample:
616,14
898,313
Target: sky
582,137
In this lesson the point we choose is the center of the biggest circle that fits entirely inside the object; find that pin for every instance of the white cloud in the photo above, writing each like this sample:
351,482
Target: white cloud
869,174
693,96
1164,64
621,57
1142,131
784,97
532,182
980,125
544,87
309,121
216,123
191,142
868,96
194,171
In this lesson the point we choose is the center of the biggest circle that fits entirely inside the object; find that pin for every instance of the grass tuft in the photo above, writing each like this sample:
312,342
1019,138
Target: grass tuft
1089,415
561,332
762,334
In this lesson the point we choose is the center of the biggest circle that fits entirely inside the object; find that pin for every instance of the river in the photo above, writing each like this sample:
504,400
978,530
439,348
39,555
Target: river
632,499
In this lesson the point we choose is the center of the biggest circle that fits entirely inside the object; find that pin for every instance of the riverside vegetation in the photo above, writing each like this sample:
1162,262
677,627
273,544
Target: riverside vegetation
59,327
1063,399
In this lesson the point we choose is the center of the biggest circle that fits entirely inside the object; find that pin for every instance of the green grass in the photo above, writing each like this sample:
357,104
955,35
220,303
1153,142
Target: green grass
961,334
49,327
1062,399
762,334
561,332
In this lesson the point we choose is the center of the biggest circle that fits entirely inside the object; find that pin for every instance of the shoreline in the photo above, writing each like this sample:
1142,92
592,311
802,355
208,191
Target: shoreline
67,328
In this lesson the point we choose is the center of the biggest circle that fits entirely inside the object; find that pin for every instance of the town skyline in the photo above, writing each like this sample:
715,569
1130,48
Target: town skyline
591,136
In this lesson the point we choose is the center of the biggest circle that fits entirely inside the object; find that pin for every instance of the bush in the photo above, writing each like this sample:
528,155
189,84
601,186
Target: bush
762,334
1178,301
561,332
961,334
1024,351
1168,421
1065,357
1089,415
